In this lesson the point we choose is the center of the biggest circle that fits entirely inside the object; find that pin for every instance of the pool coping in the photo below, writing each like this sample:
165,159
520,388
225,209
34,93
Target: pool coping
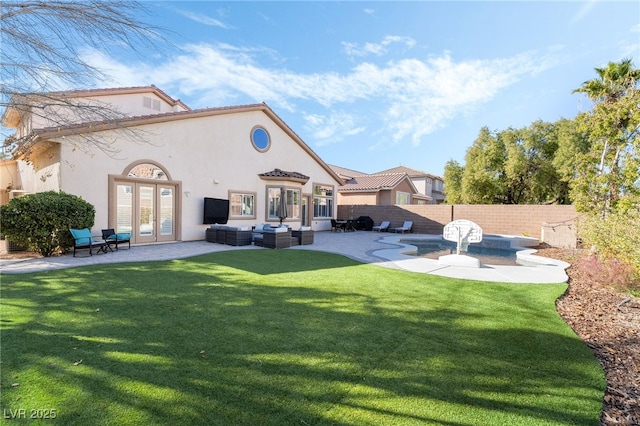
538,269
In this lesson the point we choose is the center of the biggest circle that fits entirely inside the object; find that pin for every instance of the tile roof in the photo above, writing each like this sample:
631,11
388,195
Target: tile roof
82,93
411,172
368,183
284,175
345,173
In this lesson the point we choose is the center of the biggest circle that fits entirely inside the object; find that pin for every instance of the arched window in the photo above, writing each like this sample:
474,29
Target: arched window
143,201
148,171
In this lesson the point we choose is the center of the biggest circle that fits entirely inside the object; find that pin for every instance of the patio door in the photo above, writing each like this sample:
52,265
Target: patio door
146,210
304,214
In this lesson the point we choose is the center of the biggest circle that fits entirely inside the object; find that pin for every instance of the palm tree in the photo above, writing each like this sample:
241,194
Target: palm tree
614,82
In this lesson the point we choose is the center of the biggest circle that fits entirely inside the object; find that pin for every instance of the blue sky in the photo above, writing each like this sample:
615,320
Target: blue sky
374,85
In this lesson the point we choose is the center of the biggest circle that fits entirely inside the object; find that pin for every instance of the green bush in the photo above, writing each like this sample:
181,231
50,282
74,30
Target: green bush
617,238
41,221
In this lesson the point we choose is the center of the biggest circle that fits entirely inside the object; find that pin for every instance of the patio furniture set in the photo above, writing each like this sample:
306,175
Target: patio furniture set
263,235
82,239
339,225
366,223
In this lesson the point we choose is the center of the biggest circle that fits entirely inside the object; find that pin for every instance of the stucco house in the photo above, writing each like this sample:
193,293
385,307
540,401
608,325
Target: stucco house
165,158
426,183
382,189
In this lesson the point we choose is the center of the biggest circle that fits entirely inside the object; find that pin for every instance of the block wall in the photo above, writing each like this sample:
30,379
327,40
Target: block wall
526,220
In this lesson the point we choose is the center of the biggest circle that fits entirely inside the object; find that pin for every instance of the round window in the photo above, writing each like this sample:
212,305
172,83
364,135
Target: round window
260,139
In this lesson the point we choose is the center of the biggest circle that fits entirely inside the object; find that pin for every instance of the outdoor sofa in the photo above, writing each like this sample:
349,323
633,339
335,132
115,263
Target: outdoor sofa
231,235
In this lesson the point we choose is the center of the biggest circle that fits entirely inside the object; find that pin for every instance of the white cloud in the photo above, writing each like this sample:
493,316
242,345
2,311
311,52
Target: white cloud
400,100
377,49
203,19
585,9
332,128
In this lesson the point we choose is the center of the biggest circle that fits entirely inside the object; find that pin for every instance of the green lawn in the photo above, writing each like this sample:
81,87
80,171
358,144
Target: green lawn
288,337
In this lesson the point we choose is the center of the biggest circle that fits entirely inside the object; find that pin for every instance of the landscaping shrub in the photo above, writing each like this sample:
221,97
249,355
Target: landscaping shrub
616,240
609,272
42,220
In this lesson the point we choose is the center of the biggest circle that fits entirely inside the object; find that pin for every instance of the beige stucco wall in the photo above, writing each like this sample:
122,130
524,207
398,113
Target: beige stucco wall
41,175
8,174
383,197
209,156
370,198
131,104
422,186
8,179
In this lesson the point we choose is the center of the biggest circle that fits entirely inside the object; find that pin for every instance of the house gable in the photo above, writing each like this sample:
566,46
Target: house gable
203,153
57,133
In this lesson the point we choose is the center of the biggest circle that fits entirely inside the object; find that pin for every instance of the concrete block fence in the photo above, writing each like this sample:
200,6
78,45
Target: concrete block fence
558,221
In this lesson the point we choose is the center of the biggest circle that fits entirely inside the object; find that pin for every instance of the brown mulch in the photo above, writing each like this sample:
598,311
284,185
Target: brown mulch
608,321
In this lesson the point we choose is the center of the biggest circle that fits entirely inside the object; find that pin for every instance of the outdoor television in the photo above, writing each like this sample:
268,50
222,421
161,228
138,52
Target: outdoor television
216,210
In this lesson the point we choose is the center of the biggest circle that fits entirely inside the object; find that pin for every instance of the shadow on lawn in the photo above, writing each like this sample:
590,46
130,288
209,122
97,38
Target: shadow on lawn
198,342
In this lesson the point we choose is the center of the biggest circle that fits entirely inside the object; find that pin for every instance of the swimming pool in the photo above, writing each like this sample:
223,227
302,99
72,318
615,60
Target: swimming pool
493,250
486,255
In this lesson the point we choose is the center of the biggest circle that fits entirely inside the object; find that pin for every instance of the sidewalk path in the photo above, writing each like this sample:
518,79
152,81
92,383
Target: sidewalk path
368,247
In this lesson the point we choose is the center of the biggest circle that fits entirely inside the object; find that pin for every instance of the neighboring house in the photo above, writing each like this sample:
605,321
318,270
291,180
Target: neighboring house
426,183
377,189
168,160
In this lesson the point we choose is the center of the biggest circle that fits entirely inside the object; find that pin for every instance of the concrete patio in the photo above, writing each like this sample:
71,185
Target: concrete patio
370,247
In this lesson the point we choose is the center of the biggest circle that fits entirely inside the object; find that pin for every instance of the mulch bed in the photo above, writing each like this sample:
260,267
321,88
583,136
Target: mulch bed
608,321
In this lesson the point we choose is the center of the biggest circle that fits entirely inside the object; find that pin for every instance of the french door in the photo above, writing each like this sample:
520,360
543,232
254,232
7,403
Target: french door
146,210
304,214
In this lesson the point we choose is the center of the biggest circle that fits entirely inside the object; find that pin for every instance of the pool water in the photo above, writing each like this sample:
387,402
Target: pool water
486,255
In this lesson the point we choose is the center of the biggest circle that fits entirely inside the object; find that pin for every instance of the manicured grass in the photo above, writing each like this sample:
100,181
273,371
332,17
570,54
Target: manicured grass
270,337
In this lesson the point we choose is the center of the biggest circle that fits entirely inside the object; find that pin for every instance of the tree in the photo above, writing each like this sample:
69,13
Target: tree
453,172
42,57
613,82
531,177
572,147
483,177
609,172
513,166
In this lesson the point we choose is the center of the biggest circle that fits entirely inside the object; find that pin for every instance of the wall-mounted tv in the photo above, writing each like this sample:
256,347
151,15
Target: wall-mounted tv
216,210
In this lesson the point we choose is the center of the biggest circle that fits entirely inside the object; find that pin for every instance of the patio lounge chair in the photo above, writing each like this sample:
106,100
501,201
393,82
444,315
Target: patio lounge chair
82,239
406,227
111,238
384,226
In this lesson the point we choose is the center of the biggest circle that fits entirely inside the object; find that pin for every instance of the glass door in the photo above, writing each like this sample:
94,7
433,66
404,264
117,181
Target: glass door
304,214
124,208
145,213
166,212
146,210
